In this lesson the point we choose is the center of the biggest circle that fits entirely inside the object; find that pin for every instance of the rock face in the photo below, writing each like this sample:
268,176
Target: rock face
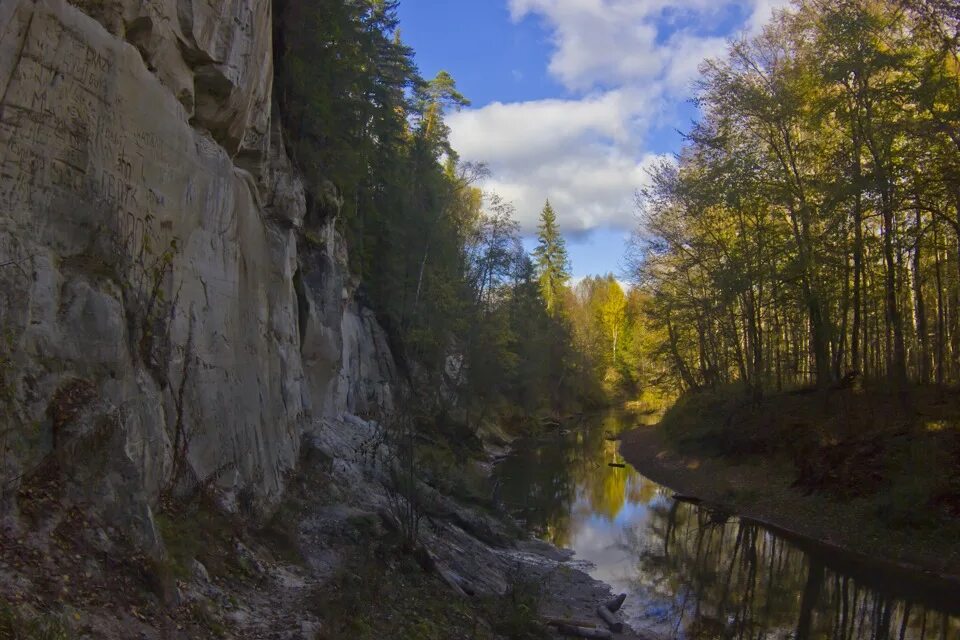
158,294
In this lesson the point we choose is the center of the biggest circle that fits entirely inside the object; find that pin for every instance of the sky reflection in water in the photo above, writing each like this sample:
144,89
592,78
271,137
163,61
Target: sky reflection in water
692,573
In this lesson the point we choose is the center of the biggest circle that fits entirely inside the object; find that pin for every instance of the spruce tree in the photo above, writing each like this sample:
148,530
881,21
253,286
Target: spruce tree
553,265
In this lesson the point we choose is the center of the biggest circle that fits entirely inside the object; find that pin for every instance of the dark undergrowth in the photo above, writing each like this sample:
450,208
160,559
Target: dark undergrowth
15,624
198,530
898,451
383,592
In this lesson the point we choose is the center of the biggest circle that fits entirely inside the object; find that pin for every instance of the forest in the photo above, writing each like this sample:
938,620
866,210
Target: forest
441,261
799,263
276,361
793,297
809,231
807,234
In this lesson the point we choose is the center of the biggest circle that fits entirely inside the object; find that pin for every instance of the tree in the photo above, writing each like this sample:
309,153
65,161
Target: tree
612,312
604,322
808,229
441,262
552,262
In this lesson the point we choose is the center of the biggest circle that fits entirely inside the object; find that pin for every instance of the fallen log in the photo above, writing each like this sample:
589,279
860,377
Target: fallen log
453,581
611,620
583,632
567,622
614,605
430,563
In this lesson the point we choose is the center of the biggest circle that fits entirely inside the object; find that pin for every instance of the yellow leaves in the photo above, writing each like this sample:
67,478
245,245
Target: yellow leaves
935,426
951,66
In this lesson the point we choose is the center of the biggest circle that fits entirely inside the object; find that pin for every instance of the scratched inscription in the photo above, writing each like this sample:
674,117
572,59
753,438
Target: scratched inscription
67,139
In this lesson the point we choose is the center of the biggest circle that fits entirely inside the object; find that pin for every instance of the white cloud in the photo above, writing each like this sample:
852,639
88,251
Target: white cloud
590,188
612,42
626,64
762,11
522,130
687,53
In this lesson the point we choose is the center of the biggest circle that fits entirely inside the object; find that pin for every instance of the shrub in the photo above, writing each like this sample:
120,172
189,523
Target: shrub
18,625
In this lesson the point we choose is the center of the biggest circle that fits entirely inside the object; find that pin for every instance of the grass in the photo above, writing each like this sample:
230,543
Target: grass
858,465
198,530
516,613
844,444
15,624
383,592
202,614
280,533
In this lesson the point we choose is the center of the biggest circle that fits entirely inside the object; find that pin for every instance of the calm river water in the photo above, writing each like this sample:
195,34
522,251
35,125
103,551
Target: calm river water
693,573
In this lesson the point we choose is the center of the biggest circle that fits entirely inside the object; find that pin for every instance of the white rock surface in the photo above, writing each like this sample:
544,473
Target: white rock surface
149,227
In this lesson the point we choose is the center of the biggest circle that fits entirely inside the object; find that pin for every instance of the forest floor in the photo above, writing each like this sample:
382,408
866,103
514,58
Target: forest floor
865,471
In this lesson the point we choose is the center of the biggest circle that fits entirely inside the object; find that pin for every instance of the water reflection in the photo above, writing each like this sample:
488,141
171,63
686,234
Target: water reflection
693,573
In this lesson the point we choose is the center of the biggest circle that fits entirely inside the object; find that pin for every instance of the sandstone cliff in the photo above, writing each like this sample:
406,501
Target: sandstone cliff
170,312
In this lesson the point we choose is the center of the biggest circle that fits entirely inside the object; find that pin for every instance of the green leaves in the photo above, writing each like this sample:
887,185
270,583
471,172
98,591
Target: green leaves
791,244
445,274
550,258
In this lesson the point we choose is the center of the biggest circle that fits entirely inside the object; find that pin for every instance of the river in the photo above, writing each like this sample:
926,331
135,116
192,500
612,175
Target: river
690,572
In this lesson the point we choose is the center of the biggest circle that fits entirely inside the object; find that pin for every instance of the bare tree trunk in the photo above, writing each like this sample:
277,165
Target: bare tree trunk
738,349
778,332
423,266
855,343
955,318
685,374
866,345
896,352
705,366
941,320
841,343
919,309
811,594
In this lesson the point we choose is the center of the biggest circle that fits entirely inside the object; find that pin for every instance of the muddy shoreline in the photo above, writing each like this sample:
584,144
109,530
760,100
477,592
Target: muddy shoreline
760,492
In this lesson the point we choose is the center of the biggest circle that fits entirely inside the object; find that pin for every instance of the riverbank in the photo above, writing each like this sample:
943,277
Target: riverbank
793,462
331,563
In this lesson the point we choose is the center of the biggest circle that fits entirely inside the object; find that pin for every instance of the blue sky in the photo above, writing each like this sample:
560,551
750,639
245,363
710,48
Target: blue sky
573,99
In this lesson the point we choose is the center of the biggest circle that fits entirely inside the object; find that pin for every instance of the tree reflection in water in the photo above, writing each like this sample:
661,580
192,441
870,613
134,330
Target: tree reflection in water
726,578
555,483
693,573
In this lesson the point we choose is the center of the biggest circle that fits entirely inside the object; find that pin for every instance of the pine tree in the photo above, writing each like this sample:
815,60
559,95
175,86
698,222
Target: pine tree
553,265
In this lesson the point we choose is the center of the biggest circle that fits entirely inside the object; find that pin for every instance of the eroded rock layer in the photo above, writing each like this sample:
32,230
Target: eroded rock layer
164,320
